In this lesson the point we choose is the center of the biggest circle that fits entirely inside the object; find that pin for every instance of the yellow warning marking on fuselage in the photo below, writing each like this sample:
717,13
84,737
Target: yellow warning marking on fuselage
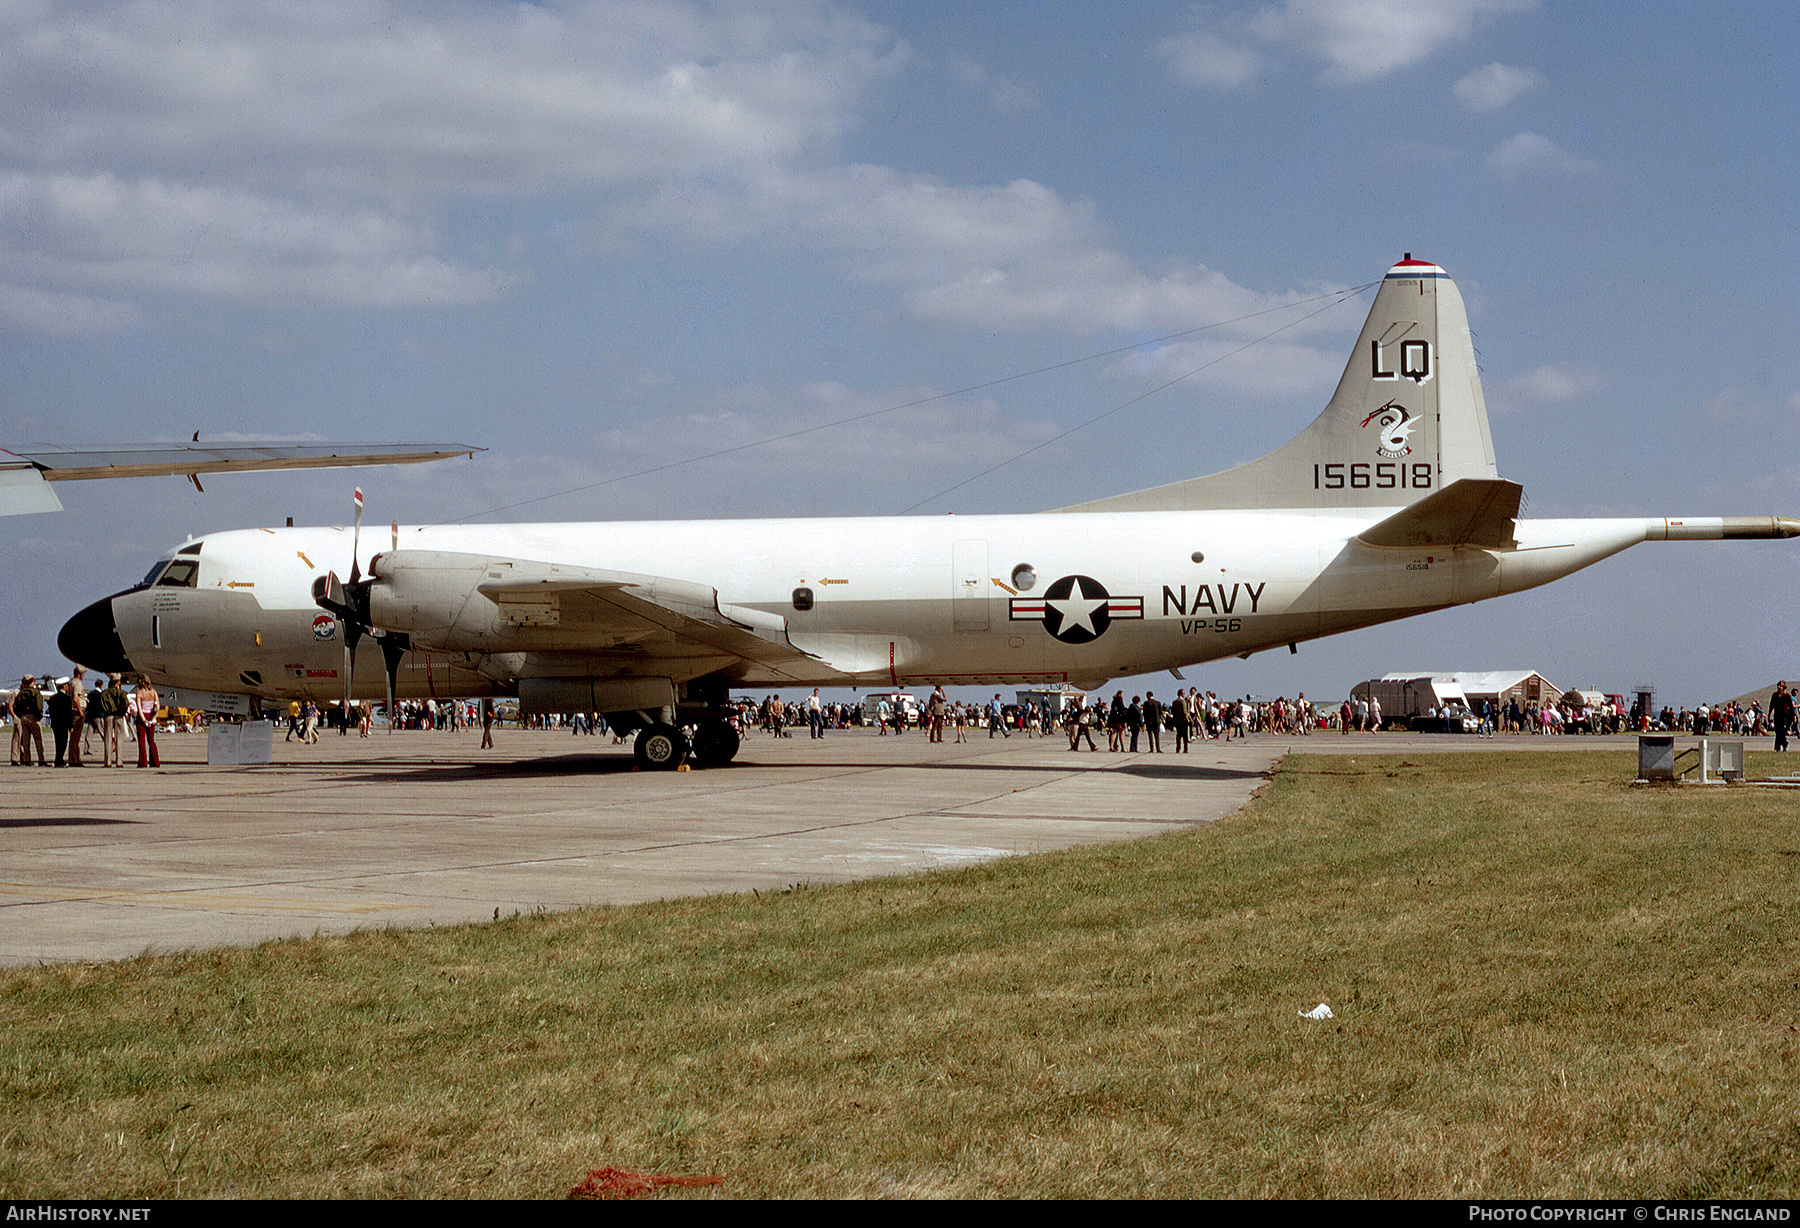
304,559
1003,584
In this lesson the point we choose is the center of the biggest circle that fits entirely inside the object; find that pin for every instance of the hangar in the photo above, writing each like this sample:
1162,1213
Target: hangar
1406,692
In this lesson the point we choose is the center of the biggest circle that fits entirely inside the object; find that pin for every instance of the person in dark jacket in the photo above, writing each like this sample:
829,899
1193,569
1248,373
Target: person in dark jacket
28,711
61,710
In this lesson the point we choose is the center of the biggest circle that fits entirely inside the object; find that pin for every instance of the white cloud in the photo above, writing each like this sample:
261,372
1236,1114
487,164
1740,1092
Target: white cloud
57,314
1552,384
255,151
1201,58
412,98
1273,368
1492,87
268,156
106,233
1361,40
1006,94
1012,257
1741,406
919,448
1748,493
1528,154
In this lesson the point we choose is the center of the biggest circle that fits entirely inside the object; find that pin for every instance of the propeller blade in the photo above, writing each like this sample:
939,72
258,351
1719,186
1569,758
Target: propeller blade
353,633
356,541
393,647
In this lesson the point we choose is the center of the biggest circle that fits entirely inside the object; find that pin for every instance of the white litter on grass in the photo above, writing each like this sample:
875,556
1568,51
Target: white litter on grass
1321,1011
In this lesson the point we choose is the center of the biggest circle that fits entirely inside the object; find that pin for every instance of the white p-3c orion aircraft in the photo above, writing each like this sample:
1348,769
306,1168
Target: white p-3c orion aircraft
1388,505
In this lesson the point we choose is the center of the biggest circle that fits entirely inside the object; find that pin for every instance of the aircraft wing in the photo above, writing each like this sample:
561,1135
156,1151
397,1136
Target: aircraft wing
1468,512
25,473
622,620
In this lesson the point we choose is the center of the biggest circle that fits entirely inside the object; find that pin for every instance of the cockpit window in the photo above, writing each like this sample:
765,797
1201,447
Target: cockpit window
176,571
182,573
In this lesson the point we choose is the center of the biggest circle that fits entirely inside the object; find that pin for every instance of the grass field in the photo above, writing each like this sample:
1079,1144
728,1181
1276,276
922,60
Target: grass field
1546,983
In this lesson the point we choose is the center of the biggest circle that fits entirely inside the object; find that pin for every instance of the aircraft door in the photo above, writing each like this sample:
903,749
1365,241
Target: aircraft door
969,584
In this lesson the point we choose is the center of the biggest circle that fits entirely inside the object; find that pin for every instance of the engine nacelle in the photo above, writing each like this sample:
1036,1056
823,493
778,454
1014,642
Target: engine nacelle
431,595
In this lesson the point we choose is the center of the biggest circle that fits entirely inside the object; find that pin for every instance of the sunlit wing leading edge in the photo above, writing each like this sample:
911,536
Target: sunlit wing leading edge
25,473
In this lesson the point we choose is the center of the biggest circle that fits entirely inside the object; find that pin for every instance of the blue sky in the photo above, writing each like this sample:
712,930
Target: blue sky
598,239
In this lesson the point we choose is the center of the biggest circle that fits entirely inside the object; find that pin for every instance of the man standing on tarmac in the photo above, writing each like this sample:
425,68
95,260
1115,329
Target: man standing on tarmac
28,712
113,707
78,699
1781,711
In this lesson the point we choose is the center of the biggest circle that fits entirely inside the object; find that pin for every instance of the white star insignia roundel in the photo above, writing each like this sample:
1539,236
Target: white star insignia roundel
1076,609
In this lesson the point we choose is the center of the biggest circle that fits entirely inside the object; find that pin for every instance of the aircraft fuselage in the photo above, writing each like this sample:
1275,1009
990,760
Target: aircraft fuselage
1079,597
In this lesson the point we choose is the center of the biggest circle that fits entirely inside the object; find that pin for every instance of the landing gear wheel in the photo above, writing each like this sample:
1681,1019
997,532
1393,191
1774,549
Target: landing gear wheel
661,748
715,744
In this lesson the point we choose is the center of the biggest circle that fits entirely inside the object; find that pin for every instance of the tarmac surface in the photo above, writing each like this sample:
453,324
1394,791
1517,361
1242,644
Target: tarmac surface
419,828
422,828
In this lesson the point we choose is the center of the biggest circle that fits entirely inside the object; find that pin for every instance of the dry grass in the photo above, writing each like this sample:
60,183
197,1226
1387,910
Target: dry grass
1547,983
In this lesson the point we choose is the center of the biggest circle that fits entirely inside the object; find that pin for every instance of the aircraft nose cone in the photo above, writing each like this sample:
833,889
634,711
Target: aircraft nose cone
91,638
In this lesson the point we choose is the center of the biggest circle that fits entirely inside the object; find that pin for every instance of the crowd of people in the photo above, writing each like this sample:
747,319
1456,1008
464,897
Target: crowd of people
1130,724
1138,723
78,715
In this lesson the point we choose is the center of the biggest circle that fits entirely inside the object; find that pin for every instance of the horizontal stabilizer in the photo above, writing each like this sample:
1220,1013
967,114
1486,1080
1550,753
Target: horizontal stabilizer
1469,512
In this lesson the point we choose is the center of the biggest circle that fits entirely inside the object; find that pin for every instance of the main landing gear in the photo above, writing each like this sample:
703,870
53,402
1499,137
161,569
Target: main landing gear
715,743
660,747
663,747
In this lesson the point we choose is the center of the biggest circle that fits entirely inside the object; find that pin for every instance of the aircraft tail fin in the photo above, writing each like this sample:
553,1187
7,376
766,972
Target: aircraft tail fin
1406,421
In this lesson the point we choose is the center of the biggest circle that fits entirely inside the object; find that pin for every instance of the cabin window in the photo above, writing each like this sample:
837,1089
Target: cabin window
1024,577
803,598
